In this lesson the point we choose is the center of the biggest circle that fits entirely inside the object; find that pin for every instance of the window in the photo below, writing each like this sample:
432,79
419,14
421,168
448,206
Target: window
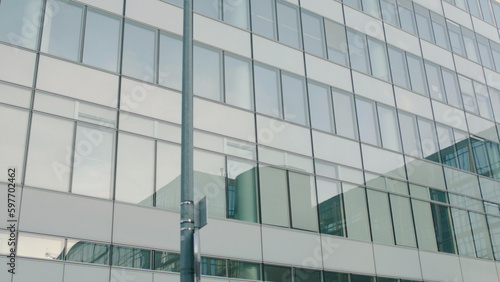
470,45
440,31
241,190
213,266
389,128
207,73
356,212
244,270
371,8
330,207
406,16
303,201
481,235
263,21
130,257
409,134
210,179
306,275
423,23
485,51
277,273
451,87
314,36
474,8
367,122
343,104
320,102
424,225
435,81
170,62
235,13
443,228
358,51
15,122
87,252
468,95
399,69
457,44
139,52
274,196
337,44
165,261
417,77
267,91
288,24
238,82
378,59
168,171
428,139
403,221
380,217
483,101
389,12
210,8
294,99
20,23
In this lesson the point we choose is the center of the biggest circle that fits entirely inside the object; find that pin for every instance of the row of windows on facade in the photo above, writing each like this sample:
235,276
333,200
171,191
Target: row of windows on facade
156,58
52,248
81,161
322,37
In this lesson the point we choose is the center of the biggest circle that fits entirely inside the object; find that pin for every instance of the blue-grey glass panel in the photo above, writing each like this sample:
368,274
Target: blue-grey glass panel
457,44
330,207
314,35
435,81
462,4
213,266
87,252
263,19
321,107
483,100
371,7
463,232
409,134
496,12
20,21
241,189
358,51
451,87
356,212
168,171
481,235
335,277
367,122
399,69
474,8
207,73
381,279
165,261
345,116
244,270
294,99
177,2
238,82
494,158
468,94
267,98
495,101
485,51
353,3
390,12
443,228
380,217
170,62
403,221
495,50
428,139
288,25
139,52
361,278
102,40
406,16
470,45
423,23
463,150
417,76
336,42
274,196
130,257
424,225
211,8
378,59
307,275
440,31
389,129
494,224
236,13
62,31
438,195
277,273
486,11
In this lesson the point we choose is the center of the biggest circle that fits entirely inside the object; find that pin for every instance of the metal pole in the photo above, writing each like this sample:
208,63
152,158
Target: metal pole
187,184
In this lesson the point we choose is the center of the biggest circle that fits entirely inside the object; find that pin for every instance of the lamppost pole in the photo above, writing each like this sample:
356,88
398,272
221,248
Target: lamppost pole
187,185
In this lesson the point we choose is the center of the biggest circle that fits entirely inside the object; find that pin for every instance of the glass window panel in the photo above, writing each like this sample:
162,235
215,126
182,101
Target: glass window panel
236,13
62,31
389,12
371,7
367,121
165,261
238,82
444,228
495,49
417,76
176,2
428,139
267,91
446,145
361,278
440,31
494,224
135,170
435,81
277,273
330,209
337,43
207,73
463,151
496,12
424,225
49,158
483,100
389,129
474,8
481,235
263,18
210,180
495,102
93,162
460,3
314,36
170,62
451,86
406,16
380,217
343,104
356,212
303,201
358,51
457,44
274,196
484,51
321,106
468,96
294,99
307,275
168,171
419,191
470,45
438,195
14,122
130,257
210,8
244,270
241,189
353,3
403,221
409,134
378,59
87,252
399,69
139,52
20,21
213,266
102,40
397,186
423,23
493,150
288,24
40,247
335,277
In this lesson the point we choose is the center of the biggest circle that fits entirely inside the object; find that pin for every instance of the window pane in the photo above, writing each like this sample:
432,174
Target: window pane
417,77
213,266
274,196
468,96
335,277
49,160
343,104
378,59
165,261
463,232
409,134
263,18
331,212
288,25
435,81
380,217
236,13
406,16
399,70
353,3
367,121
303,201
481,235
474,8
277,273
424,224
389,128
130,257
314,36
102,36
39,247
443,227
356,212
20,21
267,91
440,32
62,31
423,23
135,170
294,99
358,51
470,45
428,139
321,107
451,86
307,275
87,252
494,224
15,122
170,62
210,180
207,7
207,73
457,45
361,278
238,82
336,42
485,51
93,162
139,52
241,189
403,221
483,100
371,7
168,171
389,12
244,270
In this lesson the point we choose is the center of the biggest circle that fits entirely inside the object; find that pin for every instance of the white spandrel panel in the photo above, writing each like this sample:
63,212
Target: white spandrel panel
449,115
88,218
485,29
413,103
437,55
77,81
329,9
278,55
432,5
457,15
328,72
128,275
393,164
441,267
373,88
402,39
85,273
41,271
336,149
478,270
115,6
156,13
469,68
344,255
164,277
362,22
397,262
18,66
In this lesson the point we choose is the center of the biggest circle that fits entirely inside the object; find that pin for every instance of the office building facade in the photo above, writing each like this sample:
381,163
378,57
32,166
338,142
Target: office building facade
334,140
